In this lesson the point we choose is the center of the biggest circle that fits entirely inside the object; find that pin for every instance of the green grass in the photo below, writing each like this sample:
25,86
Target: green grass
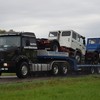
81,88
8,74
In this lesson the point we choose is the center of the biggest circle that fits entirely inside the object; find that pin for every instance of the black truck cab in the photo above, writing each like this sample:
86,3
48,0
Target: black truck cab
15,48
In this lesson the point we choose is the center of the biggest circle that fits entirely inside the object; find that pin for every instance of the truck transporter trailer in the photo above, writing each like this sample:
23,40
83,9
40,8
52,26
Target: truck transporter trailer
19,54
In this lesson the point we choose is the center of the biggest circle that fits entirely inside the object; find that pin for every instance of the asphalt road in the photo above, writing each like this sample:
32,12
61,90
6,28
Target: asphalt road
15,79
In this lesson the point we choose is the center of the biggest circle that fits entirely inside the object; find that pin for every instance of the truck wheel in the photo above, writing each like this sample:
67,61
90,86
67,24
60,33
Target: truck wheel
22,70
64,68
54,46
55,69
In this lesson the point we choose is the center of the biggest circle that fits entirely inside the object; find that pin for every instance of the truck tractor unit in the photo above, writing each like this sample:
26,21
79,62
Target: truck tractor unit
64,41
93,50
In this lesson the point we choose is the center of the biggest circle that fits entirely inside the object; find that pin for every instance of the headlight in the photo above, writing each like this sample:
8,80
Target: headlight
5,64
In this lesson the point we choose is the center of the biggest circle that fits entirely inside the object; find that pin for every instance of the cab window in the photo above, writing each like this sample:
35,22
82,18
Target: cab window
28,41
66,33
53,34
74,36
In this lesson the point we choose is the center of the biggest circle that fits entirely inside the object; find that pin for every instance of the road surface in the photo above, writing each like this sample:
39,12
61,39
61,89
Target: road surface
15,79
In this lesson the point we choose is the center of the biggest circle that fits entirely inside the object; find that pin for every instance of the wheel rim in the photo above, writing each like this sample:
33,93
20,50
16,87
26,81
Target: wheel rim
55,70
92,71
98,69
55,48
24,70
78,58
65,70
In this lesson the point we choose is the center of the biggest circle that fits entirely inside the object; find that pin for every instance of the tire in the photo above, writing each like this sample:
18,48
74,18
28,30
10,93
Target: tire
64,68
55,69
54,46
22,70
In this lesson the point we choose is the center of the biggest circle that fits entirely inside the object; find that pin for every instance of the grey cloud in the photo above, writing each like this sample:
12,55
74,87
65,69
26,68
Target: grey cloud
41,16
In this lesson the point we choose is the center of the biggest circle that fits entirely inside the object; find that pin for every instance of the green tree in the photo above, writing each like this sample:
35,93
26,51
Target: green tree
2,31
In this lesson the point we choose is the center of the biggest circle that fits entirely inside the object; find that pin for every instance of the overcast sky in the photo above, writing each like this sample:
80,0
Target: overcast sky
42,16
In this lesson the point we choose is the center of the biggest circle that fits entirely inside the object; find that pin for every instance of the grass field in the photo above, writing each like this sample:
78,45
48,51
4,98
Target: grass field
79,88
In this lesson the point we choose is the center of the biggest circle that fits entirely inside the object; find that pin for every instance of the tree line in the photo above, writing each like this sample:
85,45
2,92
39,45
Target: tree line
4,31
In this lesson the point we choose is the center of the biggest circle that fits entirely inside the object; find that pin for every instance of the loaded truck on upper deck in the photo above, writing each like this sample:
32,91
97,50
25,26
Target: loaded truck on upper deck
65,41
20,54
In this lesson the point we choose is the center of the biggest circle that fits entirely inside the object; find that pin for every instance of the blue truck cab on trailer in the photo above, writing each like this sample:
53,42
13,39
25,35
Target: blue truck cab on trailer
93,44
93,50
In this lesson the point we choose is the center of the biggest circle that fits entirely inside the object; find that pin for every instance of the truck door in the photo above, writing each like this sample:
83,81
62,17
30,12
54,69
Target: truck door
65,38
74,41
29,45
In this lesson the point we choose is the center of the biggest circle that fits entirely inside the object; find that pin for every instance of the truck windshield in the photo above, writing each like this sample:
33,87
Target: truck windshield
92,41
53,34
9,41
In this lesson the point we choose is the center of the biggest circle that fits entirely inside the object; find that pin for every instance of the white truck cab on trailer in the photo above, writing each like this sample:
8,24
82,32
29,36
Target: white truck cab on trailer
69,39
